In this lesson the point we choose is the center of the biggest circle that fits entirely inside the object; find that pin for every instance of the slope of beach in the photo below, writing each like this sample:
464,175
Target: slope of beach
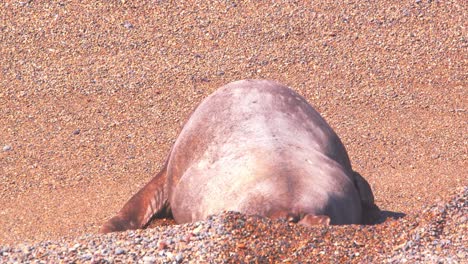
92,96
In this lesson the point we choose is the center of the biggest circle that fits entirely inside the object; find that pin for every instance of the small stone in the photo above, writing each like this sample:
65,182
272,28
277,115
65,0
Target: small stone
182,244
86,257
179,257
197,230
76,131
162,245
75,247
149,259
241,246
119,251
128,25
188,238
25,249
7,148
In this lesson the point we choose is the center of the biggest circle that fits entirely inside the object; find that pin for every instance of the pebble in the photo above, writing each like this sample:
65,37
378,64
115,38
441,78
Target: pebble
128,25
162,245
149,259
86,257
197,230
179,257
119,251
7,148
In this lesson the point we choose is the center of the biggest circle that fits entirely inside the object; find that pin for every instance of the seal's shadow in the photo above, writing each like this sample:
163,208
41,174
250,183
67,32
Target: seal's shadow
387,215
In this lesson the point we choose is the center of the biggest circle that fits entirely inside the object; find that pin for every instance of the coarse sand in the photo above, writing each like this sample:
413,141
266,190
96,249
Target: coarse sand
94,93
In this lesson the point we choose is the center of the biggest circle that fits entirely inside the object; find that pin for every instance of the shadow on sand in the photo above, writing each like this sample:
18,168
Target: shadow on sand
387,215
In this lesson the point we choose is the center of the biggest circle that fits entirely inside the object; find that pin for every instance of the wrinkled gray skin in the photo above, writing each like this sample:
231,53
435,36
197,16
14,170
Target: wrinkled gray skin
257,147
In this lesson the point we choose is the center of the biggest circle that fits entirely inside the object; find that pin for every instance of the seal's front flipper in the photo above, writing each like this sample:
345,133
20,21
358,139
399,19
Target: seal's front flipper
136,213
313,220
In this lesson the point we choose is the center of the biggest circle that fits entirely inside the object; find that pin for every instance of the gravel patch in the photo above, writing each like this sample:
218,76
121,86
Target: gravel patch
436,235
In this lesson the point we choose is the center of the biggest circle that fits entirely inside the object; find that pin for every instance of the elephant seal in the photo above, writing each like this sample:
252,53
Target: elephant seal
256,147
